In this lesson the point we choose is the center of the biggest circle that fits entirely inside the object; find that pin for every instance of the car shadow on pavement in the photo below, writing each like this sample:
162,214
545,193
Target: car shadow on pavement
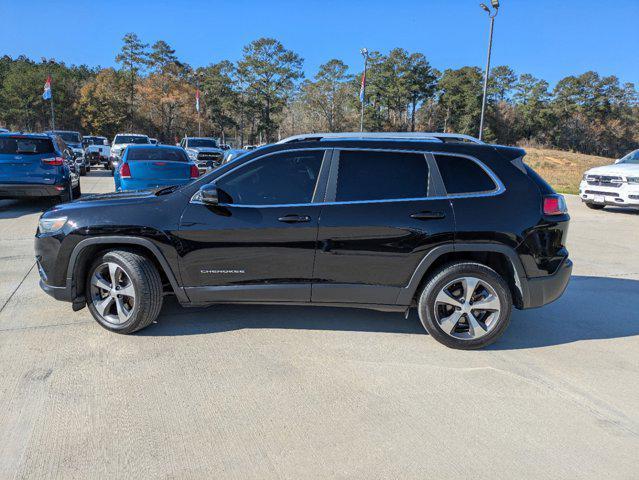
20,208
591,308
627,211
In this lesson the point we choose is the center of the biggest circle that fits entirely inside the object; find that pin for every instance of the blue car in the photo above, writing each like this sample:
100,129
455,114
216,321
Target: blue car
36,165
153,166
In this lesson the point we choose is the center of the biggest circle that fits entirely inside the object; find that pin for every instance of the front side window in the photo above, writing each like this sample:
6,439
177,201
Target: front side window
278,179
368,175
463,175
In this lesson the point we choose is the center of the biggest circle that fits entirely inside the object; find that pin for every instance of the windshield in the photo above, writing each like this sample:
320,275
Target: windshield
156,153
25,145
131,139
69,137
94,141
632,157
202,142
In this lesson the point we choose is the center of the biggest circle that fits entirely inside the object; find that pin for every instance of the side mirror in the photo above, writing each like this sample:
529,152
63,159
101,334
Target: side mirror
209,194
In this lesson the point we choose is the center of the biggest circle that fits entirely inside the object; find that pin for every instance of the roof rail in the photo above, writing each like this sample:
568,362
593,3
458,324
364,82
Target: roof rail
430,136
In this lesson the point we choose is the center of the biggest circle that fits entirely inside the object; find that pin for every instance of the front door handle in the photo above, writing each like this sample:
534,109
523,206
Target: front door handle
294,218
427,215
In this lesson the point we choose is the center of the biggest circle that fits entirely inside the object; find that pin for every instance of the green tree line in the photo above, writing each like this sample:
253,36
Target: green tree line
264,96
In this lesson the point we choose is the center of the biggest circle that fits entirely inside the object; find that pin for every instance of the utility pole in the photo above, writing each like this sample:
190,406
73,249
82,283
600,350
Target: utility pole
491,15
362,91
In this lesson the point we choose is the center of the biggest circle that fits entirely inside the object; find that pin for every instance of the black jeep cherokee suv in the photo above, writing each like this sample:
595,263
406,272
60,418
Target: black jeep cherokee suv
460,230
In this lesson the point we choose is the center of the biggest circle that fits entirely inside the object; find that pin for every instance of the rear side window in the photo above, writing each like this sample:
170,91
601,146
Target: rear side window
25,146
155,153
367,175
462,175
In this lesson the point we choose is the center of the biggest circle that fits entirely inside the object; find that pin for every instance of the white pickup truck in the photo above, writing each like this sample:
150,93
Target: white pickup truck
96,149
616,184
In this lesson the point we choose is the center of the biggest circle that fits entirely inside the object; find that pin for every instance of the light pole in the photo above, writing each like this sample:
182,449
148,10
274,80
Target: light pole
362,91
491,14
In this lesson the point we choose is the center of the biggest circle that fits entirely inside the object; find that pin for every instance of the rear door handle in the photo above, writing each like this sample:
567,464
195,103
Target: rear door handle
427,215
294,218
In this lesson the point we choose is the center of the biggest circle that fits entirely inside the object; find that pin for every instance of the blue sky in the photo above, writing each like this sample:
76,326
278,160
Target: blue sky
550,39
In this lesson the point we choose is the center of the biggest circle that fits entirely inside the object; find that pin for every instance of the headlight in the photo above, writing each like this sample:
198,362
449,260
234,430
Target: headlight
192,155
50,225
633,180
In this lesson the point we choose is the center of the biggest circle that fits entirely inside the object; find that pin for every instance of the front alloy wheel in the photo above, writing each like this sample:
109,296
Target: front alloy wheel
124,291
112,293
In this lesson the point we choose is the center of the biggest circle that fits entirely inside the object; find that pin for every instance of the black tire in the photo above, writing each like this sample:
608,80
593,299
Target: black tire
148,289
443,277
83,171
77,191
595,206
65,196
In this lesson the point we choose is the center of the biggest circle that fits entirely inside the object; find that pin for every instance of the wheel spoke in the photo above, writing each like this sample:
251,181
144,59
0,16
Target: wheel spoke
491,302
102,305
445,298
99,281
476,329
127,291
469,284
113,269
448,323
123,312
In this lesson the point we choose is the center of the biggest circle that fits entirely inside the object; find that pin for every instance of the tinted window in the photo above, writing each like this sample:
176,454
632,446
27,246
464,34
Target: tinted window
462,175
71,137
130,139
381,176
156,153
202,142
25,146
277,179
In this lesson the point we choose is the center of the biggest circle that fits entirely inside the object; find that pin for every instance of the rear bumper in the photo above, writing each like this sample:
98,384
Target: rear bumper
545,290
24,190
132,184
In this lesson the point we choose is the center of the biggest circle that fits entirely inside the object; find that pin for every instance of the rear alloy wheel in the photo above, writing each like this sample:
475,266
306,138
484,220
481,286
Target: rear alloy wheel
124,291
465,305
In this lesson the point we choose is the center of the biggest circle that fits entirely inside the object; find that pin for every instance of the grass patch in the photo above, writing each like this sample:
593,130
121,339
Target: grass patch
563,170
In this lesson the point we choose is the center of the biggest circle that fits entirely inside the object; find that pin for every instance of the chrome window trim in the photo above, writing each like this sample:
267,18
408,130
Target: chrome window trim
324,149
500,188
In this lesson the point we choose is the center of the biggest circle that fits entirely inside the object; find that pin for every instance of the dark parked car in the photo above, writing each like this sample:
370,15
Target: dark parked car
36,165
460,230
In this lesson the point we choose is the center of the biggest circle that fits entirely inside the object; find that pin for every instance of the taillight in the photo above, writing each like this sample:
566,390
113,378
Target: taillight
125,171
57,161
555,205
194,171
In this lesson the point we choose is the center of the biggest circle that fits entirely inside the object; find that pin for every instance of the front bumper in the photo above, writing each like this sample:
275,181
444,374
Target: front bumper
544,290
24,190
623,195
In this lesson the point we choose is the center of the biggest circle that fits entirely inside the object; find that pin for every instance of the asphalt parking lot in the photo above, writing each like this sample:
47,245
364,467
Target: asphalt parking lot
290,392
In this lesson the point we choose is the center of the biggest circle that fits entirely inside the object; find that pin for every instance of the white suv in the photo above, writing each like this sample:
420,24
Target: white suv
616,184
120,142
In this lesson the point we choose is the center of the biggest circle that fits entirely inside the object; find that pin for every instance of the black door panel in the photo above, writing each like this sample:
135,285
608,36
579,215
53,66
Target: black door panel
375,243
263,238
